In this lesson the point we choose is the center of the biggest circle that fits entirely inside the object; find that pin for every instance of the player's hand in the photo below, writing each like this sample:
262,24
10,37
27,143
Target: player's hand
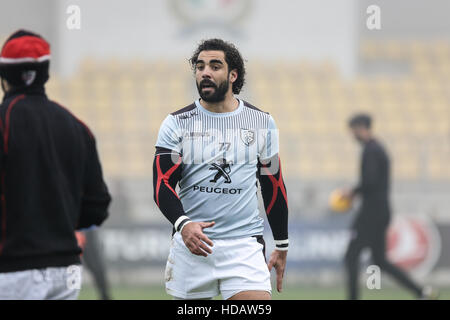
278,260
348,194
194,238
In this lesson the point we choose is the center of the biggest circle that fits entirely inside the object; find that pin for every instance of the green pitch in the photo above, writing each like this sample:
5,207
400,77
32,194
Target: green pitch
290,293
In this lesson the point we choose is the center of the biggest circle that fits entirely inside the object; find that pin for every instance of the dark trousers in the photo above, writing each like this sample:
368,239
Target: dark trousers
374,238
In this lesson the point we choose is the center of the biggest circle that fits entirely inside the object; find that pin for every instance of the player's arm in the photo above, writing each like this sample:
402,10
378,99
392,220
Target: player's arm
96,198
274,195
273,191
166,175
369,174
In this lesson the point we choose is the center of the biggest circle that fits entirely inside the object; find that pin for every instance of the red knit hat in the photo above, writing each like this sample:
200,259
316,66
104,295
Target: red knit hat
24,59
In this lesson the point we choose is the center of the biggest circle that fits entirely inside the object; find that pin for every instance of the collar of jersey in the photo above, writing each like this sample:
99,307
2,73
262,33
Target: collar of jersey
220,114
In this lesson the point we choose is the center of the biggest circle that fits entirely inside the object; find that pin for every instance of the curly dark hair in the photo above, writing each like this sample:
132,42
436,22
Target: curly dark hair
232,57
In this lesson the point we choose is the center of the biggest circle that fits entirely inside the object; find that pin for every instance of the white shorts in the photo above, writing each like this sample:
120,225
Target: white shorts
235,265
55,283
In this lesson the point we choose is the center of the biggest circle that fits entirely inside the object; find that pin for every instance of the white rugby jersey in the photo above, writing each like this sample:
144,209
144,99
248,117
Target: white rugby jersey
220,153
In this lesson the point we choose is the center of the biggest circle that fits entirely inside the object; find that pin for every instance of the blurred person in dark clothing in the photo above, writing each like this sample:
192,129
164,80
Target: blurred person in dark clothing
373,217
93,260
51,179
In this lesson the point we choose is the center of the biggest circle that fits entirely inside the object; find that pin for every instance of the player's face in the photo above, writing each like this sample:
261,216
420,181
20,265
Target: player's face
212,76
360,133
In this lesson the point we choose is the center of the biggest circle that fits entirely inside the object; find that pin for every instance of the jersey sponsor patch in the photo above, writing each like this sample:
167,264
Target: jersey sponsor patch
206,189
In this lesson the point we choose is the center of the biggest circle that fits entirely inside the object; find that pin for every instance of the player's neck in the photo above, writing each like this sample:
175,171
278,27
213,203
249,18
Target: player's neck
229,104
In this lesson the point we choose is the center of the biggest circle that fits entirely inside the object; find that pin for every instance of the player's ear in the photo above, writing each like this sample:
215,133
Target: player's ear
233,75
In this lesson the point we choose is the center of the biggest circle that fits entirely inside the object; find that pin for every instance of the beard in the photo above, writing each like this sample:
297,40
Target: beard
216,95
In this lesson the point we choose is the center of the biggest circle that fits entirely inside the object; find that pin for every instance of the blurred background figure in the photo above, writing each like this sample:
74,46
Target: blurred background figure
92,259
51,179
372,220
310,64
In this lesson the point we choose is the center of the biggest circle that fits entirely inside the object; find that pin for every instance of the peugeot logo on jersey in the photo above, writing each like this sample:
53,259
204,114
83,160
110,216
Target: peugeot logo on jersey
248,136
223,169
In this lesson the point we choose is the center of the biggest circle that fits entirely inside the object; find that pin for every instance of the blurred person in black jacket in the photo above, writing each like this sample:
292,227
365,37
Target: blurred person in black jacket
51,179
373,217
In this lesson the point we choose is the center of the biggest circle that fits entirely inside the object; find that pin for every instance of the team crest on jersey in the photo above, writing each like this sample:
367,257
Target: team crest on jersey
248,137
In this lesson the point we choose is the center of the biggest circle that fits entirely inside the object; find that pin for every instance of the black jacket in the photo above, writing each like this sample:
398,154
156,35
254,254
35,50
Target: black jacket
51,182
374,187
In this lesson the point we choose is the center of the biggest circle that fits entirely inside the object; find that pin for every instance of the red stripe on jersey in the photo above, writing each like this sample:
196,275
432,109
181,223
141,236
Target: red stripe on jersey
5,132
8,116
165,177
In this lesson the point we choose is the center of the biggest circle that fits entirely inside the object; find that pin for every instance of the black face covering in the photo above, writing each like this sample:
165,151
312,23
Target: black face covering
217,95
26,74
